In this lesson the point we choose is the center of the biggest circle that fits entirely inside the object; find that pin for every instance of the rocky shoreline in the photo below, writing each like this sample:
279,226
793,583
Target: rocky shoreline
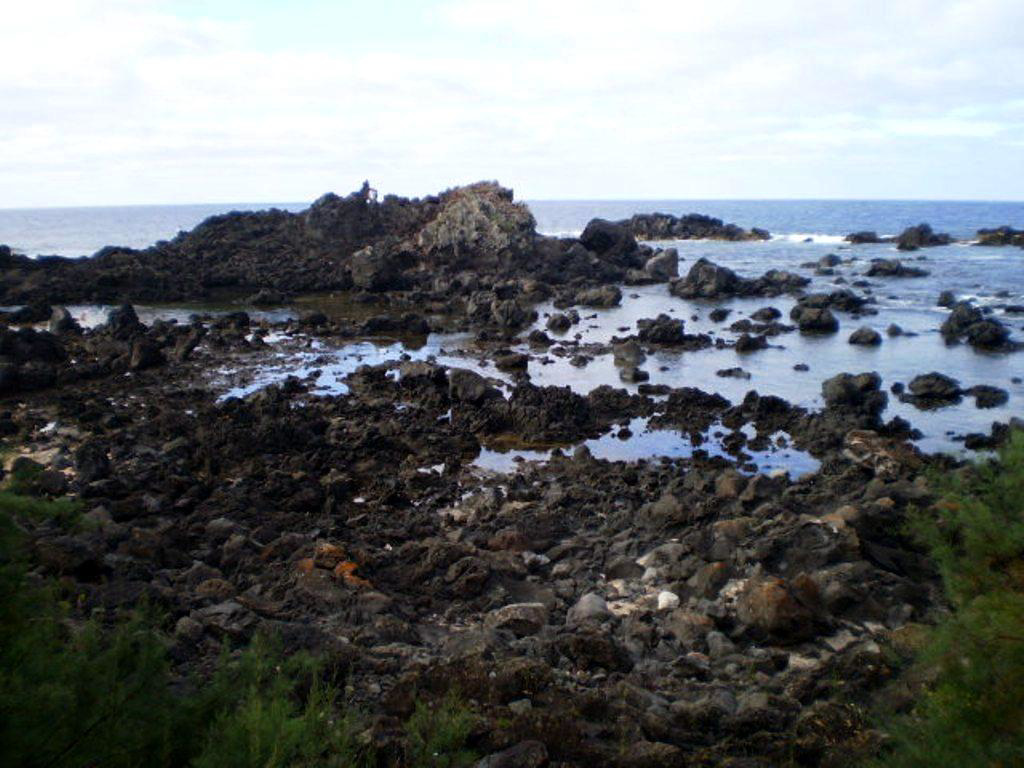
696,609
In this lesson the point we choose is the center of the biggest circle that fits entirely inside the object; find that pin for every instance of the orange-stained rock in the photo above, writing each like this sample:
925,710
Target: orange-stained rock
346,570
781,609
327,555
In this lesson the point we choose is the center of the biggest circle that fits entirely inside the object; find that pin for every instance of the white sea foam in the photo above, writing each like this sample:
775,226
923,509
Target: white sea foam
816,237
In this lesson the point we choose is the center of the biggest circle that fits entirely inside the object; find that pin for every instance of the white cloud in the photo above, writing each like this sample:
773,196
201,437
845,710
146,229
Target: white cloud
130,101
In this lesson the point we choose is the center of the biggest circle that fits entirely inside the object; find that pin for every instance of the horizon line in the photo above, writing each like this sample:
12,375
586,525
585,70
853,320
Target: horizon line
544,200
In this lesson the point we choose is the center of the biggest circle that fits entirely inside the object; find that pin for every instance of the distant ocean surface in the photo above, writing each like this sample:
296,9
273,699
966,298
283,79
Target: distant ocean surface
83,231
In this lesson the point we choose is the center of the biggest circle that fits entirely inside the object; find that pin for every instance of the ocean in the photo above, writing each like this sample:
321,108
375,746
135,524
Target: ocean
83,231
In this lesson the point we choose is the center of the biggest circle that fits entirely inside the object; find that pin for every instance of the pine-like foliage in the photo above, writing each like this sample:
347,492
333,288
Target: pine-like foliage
973,714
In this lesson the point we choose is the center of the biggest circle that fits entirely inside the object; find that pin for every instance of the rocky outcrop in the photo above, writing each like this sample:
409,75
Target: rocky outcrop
1001,236
894,268
921,236
707,280
692,226
478,227
866,237
355,242
968,323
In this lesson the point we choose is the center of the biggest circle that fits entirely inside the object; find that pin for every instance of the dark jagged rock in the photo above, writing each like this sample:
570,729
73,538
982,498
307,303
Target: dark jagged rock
604,297
988,396
967,322
860,393
663,265
707,280
921,236
894,268
611,240
750,343
841,300
338,243
661,330
935,385
1001,236
866,238
693,226
815,320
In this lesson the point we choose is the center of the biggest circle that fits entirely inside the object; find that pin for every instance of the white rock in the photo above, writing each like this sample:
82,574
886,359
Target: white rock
667,601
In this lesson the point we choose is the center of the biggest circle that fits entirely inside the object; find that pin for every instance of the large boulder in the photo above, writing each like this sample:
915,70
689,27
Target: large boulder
692,226
817,320
663,265
707,280
866,337
921,236
603,297
479,226
894,268
661,330
608,239
866,237
466,386
935,386
967,322
861,392
779,609
1001,236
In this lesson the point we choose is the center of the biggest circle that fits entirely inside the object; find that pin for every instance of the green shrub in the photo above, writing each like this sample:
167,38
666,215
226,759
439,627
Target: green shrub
438,735
973,714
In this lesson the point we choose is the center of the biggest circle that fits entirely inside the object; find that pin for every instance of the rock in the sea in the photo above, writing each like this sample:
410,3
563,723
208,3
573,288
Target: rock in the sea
988,396
559,323
969,323
894,268
817,320
935,386
766,315
947,299
628,353
749,343
865,238
1001,236
661,330
867,337
859,392
692,226
604,297
706,280
663,265
921,236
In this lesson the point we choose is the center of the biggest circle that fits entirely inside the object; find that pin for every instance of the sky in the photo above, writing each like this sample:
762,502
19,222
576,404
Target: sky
177,101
